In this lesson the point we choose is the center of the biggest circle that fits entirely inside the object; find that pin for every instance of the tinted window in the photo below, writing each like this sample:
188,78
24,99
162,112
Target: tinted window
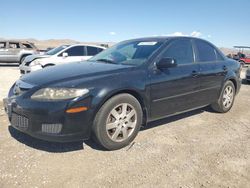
14,45
92,50
2,44
205,51
181,51
26,45
76,51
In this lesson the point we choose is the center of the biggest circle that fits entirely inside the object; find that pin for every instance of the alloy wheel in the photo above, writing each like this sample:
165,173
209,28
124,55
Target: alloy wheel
121,122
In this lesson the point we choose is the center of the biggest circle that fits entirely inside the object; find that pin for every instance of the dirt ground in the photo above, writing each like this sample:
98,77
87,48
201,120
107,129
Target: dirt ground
195,149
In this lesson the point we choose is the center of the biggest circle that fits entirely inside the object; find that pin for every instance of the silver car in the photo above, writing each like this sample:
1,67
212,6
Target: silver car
15,51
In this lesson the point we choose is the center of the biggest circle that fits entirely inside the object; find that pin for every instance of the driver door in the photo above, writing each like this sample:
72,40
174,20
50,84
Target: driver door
175,89
74,54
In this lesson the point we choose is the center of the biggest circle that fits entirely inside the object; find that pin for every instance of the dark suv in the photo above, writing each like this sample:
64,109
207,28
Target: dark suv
122,88
15,51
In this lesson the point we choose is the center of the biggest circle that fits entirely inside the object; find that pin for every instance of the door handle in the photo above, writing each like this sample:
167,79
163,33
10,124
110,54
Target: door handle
194,73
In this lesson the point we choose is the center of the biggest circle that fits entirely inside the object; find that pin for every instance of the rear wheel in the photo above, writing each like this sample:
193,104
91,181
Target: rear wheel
118,121
226,100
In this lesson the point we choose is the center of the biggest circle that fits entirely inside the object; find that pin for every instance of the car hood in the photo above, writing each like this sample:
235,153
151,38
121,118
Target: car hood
71,71
31,58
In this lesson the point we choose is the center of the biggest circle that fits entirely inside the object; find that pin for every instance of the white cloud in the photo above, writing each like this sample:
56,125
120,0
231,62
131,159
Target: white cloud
176,34
209,36
112,33
196,34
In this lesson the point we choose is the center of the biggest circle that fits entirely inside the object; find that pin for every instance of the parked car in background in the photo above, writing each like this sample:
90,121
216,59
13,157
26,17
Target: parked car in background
248,75
59,55
112,95
42,52
15,51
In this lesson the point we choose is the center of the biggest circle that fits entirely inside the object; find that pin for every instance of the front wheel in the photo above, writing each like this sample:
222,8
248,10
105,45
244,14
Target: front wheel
226,100
118,121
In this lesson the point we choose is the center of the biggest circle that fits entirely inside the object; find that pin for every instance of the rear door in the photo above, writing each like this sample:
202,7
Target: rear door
175,89
92,51
212,71
13,51
3,51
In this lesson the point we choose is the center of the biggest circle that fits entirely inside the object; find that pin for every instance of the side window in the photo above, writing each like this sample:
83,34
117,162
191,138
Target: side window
14,45
181,51
2,44
25,45
205,51
91,51
76,51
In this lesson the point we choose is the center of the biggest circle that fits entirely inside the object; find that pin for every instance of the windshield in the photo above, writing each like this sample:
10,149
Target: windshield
56,50
129,53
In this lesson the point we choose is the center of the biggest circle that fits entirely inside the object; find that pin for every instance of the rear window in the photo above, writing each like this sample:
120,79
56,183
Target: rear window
205,51
2,44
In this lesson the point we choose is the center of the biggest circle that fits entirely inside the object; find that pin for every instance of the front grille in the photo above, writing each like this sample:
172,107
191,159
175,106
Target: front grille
19,121
52,128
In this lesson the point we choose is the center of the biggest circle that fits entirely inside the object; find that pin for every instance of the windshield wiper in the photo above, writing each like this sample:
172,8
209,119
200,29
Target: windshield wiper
107,61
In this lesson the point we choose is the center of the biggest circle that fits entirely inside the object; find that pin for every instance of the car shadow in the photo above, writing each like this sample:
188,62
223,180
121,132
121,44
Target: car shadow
55,147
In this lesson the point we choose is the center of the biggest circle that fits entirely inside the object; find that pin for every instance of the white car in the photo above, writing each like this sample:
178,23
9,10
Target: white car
59,55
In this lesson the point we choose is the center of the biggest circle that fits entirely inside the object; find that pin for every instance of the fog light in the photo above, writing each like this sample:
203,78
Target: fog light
52,128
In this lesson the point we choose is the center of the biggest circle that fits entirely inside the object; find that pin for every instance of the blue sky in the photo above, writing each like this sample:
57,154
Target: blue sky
223,22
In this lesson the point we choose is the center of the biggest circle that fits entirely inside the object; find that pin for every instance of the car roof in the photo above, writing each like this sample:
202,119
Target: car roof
163,38
91,45
17,41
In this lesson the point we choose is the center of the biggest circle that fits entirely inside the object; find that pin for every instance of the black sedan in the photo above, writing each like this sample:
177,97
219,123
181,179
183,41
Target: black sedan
112,95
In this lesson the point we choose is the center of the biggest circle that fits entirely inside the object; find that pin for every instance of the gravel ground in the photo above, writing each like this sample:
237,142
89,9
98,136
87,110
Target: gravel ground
195,149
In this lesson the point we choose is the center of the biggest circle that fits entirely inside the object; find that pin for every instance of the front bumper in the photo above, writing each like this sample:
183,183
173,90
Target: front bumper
48,120
24,69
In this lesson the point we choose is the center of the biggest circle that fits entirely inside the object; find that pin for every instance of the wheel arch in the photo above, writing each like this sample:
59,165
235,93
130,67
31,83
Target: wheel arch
24,55
47,65
132,92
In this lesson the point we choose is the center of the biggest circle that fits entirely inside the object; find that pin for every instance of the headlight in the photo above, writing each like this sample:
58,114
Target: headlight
58,93
35,62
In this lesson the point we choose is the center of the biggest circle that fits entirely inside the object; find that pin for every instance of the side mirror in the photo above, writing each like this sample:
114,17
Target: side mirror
166,63
65,54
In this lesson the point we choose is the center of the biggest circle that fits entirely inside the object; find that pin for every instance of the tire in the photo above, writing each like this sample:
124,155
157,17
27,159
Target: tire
221,105
112,123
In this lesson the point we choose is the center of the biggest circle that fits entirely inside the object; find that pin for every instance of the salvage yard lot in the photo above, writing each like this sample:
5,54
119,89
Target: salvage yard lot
195,149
